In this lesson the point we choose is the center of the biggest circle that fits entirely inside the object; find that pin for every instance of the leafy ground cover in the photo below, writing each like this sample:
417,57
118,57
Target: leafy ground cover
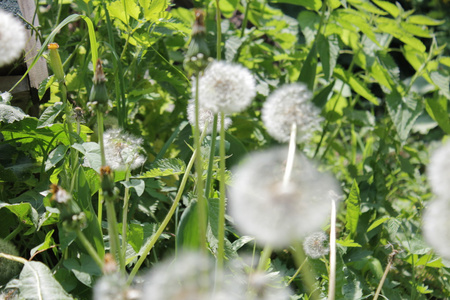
298,167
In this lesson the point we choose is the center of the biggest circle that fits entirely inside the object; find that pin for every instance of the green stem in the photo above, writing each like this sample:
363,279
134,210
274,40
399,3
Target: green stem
14,233
113,232
308,274
201,201
245,21
13,258
125,215
267,252
219,31
291,155
298,271
212,151
90,249
332,272
103,161
221,219
148,247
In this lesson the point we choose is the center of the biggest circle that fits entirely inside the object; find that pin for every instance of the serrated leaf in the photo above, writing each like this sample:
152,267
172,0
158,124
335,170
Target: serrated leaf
437,109
137,184
155,10
322,97
55,156
123,10
377,223
49,115
442,81
228,7
44,85
46,244
232,45
36,282
309,22
308,72
353,209
356,85
392,9
166,167
424,20
403,111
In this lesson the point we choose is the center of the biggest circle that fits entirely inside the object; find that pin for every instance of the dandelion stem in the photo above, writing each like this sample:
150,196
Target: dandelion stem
291,155
125,215
211,158
199,170
90,249
308,274
169,215
298,271
103,161
332,274
267,252
386,271
245,21
221,220
113,232
13,258
219,31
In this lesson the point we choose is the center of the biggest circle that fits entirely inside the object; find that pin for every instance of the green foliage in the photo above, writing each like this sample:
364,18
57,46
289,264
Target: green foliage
379,72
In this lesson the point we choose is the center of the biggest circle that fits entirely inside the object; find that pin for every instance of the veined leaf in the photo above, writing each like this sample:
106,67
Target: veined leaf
166,167
392,9
437,109
49,115
137,184
424,20
377,223
188,235
55,156
308,72
36,282
356,85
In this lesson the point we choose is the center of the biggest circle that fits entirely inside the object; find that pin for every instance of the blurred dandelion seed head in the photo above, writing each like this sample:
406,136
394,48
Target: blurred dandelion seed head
275,214
114,287
12,38
287,105
436,224
205,116
437,170
315,245
225,87
123,150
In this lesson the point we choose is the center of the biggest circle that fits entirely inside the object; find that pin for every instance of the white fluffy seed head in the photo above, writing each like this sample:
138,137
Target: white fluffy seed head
436,224
287,105
273,213
205,116
123,150
111,287
315,245
225,87
438,170
12,38
189,277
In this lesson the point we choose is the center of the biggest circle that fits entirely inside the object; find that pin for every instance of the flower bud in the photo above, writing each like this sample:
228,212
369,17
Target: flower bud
55,61
99,94
197,56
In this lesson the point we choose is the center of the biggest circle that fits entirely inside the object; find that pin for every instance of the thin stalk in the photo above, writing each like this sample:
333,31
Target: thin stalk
386,271
245,21
114,233
125,215
267,252
221,219
201,201
298,271
13,258
332,272
169,215
291,155
212,151
308,275
90,249
219,31
14,233
103,159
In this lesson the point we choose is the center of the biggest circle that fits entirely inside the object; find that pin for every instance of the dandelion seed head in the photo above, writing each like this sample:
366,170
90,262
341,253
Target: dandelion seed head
437,170
225,87
315,245
114,287
287,105
122,150
436,224
205,116
189,277
12,38
274,213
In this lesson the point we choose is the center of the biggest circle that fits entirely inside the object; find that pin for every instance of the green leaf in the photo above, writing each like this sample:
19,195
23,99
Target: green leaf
437,109
46,244
309,22
156,10
328,48
36,282
392,9
377,223
353,209
228,7
123,9
308,72
137,184
84,268
166,167
424,20
49,115
24,211
403,111
232,45
356,85
348,243
188,229
309,4
44,85
55,156
322,97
